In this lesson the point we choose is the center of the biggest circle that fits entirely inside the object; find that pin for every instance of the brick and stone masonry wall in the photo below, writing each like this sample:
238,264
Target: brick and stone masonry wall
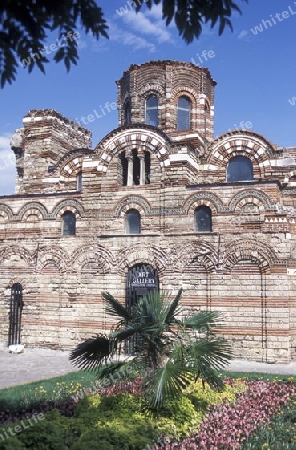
245,267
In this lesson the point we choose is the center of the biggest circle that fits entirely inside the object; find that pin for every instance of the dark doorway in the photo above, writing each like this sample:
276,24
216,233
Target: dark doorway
141,279
15,313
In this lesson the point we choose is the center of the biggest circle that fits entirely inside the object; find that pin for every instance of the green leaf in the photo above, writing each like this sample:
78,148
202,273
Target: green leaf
166,383
92,352
172,309
115,308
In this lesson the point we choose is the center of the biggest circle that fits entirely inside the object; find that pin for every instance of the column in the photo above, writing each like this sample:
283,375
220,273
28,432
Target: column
142,169
130,170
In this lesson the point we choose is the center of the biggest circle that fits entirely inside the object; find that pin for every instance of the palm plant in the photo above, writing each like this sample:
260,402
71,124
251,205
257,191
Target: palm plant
171,350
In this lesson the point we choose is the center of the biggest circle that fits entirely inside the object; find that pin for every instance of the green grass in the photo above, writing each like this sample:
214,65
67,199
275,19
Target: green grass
117,422
277,435
257,375
31,395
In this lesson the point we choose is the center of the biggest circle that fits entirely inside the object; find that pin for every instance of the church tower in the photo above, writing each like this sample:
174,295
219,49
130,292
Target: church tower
173,96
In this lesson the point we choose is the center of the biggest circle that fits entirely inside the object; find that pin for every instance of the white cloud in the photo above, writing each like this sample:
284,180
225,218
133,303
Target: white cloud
155,12
141,23
244,35
128,38
7,166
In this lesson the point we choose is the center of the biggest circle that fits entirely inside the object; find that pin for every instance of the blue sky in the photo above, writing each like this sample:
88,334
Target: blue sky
255,71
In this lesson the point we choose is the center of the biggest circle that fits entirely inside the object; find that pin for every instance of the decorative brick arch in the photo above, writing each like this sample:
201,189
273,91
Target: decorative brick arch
12,250
73,159
84,254
129,137
136,254
241,143
151,89
132,202
200,253
67,205
17,280
258,198
52,254
32,208
251,250
187,91
287,177
6,212
203,198
72,167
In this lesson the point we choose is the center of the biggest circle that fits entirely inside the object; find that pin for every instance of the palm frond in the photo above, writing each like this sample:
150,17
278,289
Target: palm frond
206,357
125,333
203,321
114,308
118,371
166,383
215,352
172,309
93,352
149,309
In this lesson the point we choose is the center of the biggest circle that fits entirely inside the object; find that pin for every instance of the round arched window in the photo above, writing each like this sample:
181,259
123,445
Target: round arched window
133,222
239,168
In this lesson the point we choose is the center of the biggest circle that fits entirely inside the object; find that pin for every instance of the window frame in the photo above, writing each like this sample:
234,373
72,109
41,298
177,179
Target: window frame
79,181
128,225
151,108
127,113
73,216
205,209
249,167
179,109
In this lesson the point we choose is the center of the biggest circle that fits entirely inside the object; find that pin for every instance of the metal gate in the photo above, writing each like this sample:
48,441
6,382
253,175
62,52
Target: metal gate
15,314
141,279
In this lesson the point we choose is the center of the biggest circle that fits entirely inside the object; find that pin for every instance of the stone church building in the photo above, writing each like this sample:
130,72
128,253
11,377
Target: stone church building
158,203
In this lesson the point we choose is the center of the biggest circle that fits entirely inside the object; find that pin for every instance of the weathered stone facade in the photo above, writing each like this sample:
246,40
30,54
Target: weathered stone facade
242,262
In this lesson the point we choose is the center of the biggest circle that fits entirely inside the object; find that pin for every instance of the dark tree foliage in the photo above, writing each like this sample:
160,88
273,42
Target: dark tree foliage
190,15
25,26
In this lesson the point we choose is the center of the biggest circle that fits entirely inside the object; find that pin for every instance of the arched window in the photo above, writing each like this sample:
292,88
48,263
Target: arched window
152,111
136,167
69,224
147,167
79,181
127,113
183,114
239,168
132,222
123,168
206,112
203,218
15,313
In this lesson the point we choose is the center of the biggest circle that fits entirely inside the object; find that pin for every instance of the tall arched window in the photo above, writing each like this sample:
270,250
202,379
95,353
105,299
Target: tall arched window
132,222
127,113
239,168
15,313
152,111
79,181
147,167
136,167
123,168
206,112
203,218
69,224
183,113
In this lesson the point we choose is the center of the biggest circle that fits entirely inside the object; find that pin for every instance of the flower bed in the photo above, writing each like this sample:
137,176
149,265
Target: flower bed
227,426
223,421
